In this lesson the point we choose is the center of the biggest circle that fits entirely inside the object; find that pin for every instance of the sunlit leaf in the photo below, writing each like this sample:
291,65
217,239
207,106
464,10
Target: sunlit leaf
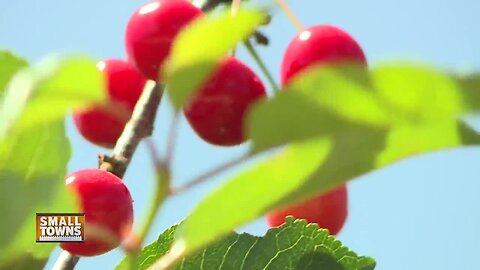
9,65
295,245
417,93
197,50
251,193
47,91
32,169
470,88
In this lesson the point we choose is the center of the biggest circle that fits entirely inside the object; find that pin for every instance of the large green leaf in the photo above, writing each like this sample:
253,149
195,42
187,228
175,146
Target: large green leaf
9,65
268,121
421,104
410,140
354,152
395,112
25,262
346,91
197,50
34,151
362,150
416,93
32,169
470,87
389,118
319,101
47,91
295,245
253,191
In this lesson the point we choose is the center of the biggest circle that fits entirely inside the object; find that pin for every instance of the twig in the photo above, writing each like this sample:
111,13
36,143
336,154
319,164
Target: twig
154,155
172,140
205,176
251,50
139,127
295,21
207,5
65,261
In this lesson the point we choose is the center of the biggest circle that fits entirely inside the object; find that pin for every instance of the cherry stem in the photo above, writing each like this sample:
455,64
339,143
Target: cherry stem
172,139
211,173
152,148
261,64
162,191
291,16
235,7
234,11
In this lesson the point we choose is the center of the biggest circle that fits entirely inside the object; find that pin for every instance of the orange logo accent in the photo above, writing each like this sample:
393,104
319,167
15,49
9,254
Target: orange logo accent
63,227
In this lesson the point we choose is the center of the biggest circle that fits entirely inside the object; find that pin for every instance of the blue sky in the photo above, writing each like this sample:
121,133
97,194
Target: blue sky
421,213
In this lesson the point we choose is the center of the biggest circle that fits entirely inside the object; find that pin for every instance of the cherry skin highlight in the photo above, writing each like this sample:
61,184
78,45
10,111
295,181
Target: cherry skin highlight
218,109
151,31
319,44
107,205
328,210
103,124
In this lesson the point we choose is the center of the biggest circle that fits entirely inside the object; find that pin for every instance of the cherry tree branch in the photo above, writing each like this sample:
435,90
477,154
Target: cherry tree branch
140,126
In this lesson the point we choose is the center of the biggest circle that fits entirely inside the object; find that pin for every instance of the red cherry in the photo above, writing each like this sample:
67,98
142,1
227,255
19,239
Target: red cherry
101,125
107,205
218,110
328,210
319,44
151,31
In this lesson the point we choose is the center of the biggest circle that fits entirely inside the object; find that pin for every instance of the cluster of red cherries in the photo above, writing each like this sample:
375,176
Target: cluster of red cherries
216,113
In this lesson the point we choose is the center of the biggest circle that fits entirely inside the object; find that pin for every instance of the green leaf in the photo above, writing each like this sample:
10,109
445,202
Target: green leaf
197,50
417,93
47,91
354,153
254,191
410,140
470,88
287,117
295,245
398,111
25,262
468,135
32,169
34,150
320,101
360,150
152,252
346,91
9,65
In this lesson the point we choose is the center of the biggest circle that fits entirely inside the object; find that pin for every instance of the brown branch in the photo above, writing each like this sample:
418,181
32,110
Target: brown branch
65,261
140,126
